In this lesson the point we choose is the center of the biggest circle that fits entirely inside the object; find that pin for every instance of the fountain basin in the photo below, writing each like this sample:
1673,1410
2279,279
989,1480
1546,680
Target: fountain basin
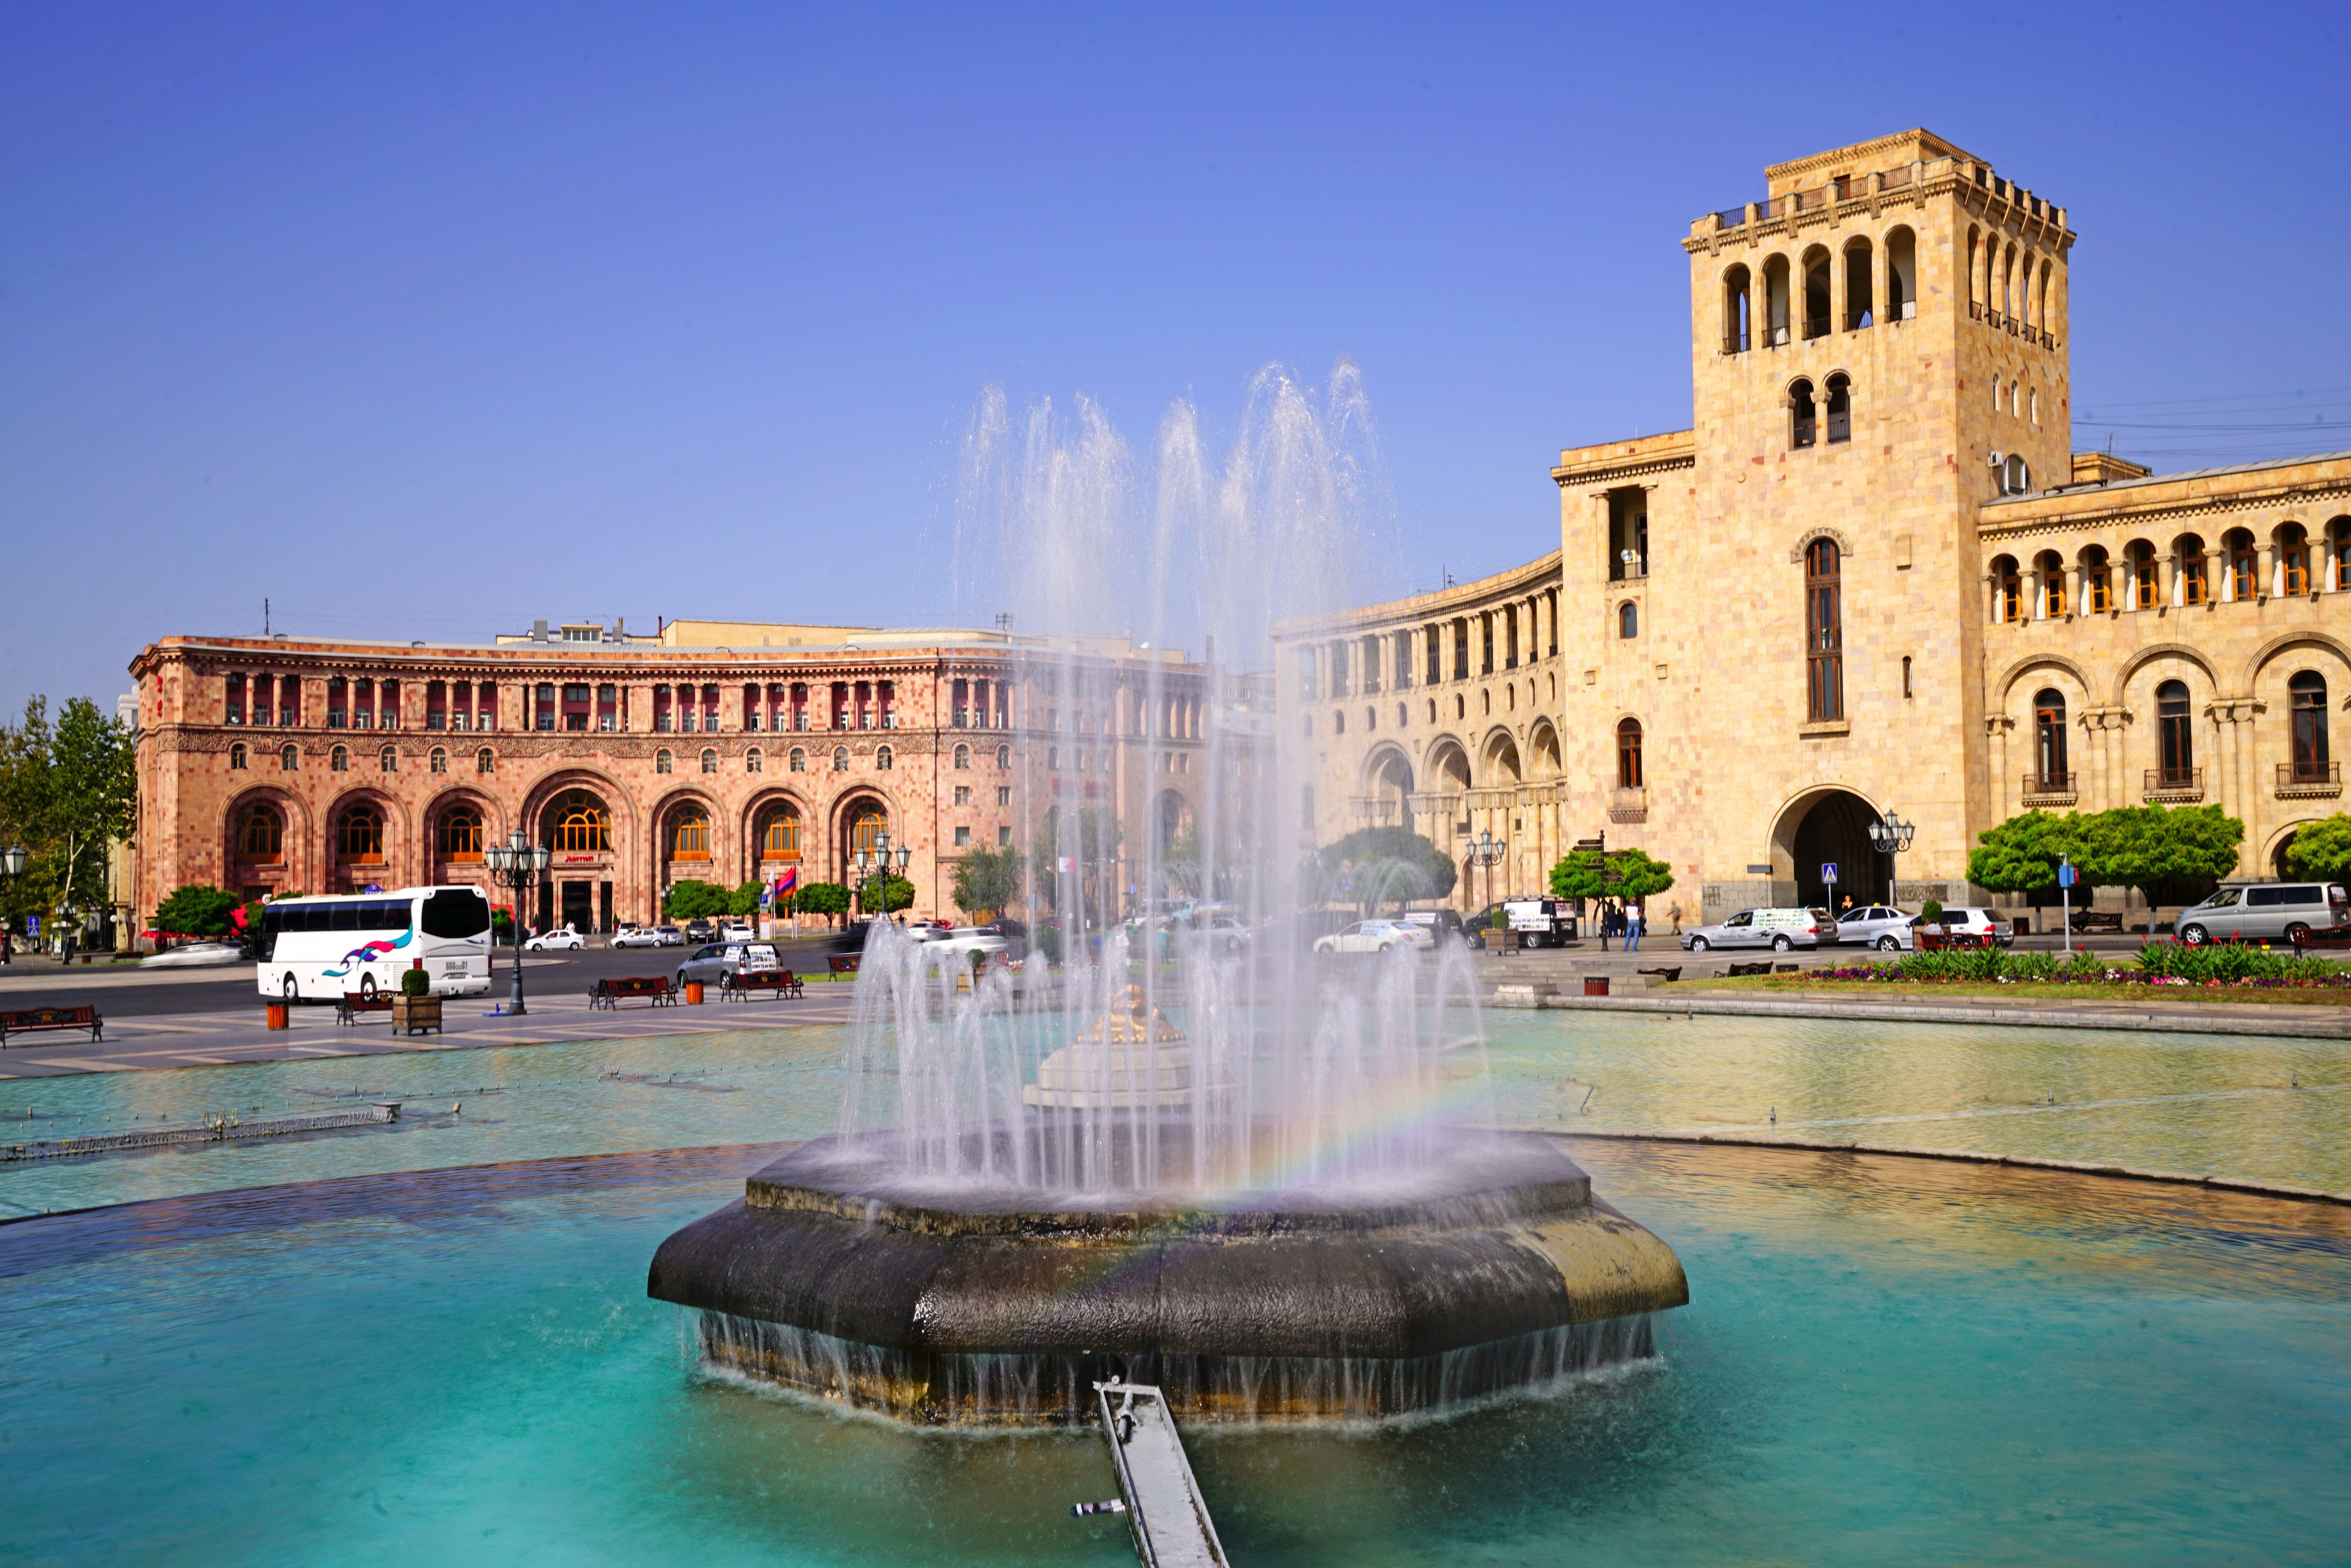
1492,1269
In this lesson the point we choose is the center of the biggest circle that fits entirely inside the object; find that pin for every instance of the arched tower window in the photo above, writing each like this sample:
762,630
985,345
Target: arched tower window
2293,560
2307,699
1816,293
1628,754
1738,320
2008,588
2195,586
485,761
439,762
2242,565
1628,620
664,762
236,758
1858,286
799,761
882,758
2051,568
1824,631
2143,583
2049,741
1004,756
2097,580
2175,737
753,762
1840,408
1901,276
962,756
841,759
1775,300
709,760
1801,415
389,760
289,758
339,761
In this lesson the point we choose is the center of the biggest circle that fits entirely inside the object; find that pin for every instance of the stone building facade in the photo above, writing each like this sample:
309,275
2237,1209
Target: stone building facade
1871,577
717,751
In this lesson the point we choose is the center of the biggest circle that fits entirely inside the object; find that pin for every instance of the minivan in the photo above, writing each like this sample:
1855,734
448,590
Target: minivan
1779,929
2272,912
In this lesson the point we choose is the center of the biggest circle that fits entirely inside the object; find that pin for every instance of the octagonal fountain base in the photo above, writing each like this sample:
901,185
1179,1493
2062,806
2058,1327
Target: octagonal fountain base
1494,1267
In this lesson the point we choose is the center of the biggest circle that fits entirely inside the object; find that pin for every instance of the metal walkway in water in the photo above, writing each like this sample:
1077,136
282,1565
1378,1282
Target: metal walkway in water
1164,1506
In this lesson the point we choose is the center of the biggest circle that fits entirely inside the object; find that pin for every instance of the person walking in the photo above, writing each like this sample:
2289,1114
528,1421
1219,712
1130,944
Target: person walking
1634,916
1675,915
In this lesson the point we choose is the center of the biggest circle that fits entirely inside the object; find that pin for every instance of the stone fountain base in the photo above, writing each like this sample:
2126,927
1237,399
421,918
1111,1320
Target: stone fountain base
1495,1270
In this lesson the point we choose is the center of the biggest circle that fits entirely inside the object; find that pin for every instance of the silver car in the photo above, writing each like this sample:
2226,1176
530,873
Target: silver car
1779,929
1878,925
709,964
2277,911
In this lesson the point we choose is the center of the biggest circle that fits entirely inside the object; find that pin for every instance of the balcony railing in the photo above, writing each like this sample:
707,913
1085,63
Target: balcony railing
2306,778
1734,342
2175,783
2050,785
1855,320
1817,326
1628,805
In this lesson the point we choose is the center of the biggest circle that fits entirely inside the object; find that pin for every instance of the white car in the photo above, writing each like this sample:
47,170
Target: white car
1376,936
735,931
196,956
549,941
1979,924
636,936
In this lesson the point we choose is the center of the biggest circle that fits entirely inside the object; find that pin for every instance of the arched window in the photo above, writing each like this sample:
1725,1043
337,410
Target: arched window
1816,292
1628,754
752,761
260,835
2145,585
882,759
2175,737
289,758
689,834
1628,620
458,836
664,762
1338,723
1371,723
709,760
1801,415
2293,560
2049,741
1004,756
2307,694
2051,570
1737,311
2338,553
1404,716
2097,580
1824,631
865,830
1840,408
236,758
841,759
2240,566
440,763
2016,479
578,824
962,756
780,834
799,761
484,762
1432,710
1901,276
339,761
2007,589
1775,300
390,760
2195,585
1460,705
1857,286
359,836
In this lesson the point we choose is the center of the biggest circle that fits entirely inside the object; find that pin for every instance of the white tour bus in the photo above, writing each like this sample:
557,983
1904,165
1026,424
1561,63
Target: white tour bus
318,948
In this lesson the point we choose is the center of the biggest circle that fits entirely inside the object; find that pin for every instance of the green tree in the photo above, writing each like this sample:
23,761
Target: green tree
2021,854
1377,865
1090,840
829,899
2322,849
745,900
896,893
986,881
2168,853
198,909
691,899
66,790
1625,874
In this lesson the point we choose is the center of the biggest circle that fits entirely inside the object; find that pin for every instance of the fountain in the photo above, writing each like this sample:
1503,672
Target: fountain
1273,1193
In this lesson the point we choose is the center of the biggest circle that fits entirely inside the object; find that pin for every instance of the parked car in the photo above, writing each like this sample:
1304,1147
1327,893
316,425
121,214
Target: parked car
551,941
699,931
1540,922
1778,929
735,931
2276,911
1978,923
713,961
671,936
196,956
1376,936
1878,925
635,936
1440,923
963,940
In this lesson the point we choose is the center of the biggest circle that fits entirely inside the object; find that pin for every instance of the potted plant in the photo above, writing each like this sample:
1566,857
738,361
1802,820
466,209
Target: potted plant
1500,937
415,1007
1930,927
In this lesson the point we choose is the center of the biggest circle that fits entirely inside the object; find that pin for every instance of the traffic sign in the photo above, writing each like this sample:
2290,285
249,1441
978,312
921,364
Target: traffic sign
2067,876
1828,873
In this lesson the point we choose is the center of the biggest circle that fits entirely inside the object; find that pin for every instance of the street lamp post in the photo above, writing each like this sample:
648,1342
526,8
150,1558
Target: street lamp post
876,863
518,864
1488,850
1891,835
11,863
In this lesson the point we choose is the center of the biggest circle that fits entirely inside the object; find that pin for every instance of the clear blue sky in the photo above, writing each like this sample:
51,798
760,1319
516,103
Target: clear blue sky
427,320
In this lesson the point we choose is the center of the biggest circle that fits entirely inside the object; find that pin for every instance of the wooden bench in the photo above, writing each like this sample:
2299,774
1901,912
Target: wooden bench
656,989
2098,920
1665,976
843,963
1740,971
738,986
40,1021
353,1003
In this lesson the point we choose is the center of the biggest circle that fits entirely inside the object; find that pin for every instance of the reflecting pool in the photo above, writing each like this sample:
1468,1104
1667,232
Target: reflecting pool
1885,1361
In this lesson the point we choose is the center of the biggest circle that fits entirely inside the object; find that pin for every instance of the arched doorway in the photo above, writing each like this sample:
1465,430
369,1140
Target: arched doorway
577,829
1833,828
1388,785
864,823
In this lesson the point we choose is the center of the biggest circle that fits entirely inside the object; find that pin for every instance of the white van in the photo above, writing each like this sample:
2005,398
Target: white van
2277,911
1778,929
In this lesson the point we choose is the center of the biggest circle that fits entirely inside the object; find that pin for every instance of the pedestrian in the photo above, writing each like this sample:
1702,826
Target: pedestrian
1633,915
1844,910
1675,915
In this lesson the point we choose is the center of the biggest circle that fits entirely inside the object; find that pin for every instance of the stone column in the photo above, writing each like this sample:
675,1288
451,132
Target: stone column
2252,788
2215,572
1996,728
2266,584
1991,599
2074,604
2118,583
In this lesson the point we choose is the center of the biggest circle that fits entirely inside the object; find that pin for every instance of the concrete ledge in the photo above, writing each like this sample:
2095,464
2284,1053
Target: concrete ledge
2295,1022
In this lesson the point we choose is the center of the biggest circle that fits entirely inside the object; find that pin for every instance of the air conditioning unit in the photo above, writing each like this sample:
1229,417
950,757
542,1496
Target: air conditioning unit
1996,460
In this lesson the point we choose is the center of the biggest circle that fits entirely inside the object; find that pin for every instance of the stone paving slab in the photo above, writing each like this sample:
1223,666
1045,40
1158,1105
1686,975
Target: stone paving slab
2217,1017
217,1038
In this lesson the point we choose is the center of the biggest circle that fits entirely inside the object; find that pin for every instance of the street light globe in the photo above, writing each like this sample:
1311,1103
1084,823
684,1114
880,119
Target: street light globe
11,860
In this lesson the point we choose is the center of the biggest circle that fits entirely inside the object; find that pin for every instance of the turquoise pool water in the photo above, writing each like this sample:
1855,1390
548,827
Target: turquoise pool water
1885,1361
2210,1104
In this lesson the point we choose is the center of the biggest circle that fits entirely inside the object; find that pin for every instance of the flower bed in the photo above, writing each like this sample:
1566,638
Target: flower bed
2157,964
